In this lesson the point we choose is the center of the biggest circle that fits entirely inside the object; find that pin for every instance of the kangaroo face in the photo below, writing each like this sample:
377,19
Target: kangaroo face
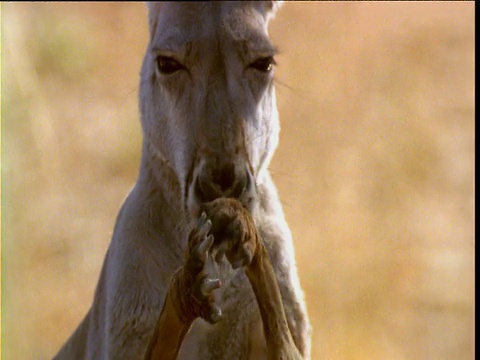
207,97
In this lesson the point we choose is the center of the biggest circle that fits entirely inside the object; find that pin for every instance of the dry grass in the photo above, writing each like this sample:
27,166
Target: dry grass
375,168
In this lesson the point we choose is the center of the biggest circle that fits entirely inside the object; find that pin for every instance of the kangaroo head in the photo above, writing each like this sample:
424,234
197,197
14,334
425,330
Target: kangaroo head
207,97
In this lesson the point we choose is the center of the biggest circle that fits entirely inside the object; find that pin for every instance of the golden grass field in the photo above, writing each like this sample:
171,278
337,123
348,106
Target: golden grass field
375,168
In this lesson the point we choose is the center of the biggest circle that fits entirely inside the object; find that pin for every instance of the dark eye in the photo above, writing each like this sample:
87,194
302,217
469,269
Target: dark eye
167,65
263,64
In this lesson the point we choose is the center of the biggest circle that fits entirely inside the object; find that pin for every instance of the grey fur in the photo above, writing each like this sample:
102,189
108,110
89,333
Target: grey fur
219,107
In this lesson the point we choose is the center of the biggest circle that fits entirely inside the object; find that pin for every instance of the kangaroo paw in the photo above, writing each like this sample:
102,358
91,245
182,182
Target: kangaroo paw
196,280
234,231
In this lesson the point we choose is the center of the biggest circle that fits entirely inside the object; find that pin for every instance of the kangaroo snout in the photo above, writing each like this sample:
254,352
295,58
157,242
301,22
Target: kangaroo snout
227,179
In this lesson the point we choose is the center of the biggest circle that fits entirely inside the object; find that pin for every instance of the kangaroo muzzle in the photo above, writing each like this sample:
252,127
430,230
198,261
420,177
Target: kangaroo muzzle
215,180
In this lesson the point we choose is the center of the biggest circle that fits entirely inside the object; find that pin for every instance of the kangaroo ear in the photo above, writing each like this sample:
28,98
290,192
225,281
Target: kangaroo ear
270,8
154,9
273,5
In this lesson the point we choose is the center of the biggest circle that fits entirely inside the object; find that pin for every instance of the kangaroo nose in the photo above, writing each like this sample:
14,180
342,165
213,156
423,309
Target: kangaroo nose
225,180
224,177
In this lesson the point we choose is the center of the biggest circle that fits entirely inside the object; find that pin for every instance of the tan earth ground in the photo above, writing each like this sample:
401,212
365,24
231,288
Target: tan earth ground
375,168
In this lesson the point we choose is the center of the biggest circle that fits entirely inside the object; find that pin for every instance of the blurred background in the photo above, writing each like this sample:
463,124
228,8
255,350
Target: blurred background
374,168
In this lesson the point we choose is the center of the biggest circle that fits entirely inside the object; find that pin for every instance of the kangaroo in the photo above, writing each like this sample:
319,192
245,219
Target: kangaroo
190,293
210,127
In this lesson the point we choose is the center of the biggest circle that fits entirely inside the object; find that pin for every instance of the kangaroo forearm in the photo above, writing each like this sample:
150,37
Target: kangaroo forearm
173,323
169,333
264,284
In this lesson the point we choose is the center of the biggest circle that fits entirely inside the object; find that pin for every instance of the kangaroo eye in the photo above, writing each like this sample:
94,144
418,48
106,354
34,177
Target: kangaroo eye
263,64
167,65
